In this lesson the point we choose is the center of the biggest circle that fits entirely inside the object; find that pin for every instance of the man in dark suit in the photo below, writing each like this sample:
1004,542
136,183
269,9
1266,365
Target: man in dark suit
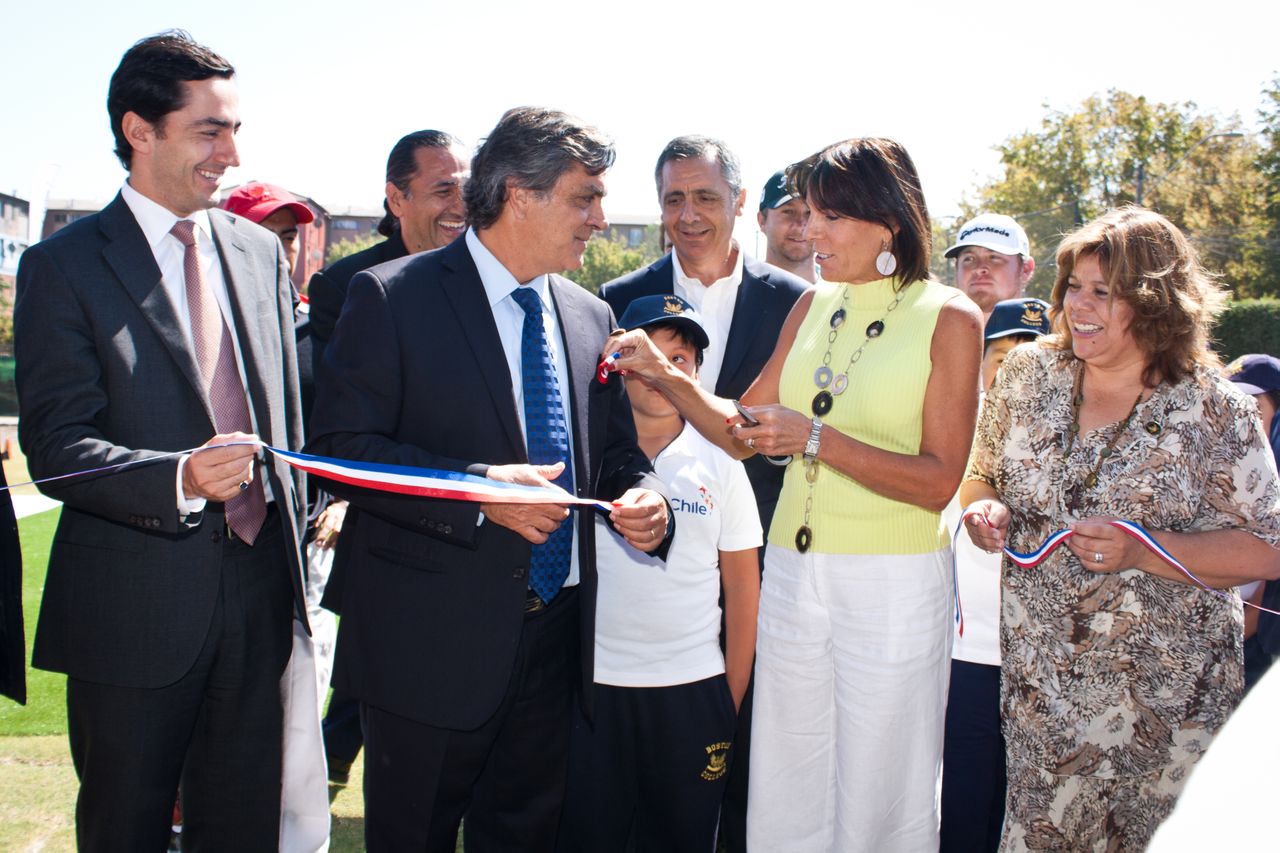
743,304
426,171
466,627
155,326
13,650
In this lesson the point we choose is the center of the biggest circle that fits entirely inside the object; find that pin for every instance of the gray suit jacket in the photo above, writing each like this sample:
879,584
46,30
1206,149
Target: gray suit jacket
105,375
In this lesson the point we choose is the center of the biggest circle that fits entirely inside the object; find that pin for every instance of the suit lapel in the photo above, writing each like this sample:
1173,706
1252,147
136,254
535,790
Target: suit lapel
748,313
581,359
130,258
250,310
465,291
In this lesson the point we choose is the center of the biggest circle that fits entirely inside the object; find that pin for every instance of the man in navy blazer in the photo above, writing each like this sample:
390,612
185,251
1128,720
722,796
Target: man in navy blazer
167,604
463,664
743,304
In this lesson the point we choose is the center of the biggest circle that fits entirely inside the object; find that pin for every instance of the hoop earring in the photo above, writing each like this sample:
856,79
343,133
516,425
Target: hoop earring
886,263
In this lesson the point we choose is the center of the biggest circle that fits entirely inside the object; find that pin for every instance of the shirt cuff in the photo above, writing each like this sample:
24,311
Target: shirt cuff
186,506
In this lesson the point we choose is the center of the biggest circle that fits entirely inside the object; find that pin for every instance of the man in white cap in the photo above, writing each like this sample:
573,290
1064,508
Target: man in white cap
993,260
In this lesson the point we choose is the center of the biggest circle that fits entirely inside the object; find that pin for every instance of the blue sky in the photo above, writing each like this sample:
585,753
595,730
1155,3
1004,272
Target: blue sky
326,89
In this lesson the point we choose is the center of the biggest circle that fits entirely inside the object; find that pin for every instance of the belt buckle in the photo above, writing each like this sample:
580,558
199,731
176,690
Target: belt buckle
533,602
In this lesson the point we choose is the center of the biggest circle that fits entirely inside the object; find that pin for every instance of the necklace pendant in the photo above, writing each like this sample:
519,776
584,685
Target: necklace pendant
875,329
822,376
822,403
837,319
1091,481
1153,427
804,538
841,384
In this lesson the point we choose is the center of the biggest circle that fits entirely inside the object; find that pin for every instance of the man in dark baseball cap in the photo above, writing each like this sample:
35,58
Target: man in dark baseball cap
782,217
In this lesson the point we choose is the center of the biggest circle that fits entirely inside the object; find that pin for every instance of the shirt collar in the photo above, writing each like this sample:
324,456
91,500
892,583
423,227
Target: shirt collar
498,282
734,276
156,220
680,445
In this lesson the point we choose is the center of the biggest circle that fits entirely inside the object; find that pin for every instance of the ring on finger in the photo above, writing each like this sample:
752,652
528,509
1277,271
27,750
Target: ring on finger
751,442
1097,557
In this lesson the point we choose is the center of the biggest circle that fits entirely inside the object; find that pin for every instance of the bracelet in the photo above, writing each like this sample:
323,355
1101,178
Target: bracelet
815,439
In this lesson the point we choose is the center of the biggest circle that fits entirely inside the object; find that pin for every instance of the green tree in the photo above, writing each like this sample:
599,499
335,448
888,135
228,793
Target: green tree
342,248
1269,166
1080,163
605,260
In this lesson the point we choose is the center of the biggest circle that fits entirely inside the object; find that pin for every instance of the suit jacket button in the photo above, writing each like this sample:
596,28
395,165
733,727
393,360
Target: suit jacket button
518,573
215,536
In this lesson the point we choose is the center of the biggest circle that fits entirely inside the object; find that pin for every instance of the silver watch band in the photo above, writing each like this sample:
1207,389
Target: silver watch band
815,439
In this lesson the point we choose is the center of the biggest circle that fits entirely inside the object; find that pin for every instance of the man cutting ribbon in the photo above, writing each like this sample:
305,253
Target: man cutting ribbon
465,626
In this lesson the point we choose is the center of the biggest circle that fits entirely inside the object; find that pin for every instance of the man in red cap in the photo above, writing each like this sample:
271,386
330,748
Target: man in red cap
275,209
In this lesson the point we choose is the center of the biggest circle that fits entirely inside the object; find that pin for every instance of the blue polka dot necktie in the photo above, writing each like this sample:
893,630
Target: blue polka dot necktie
547,437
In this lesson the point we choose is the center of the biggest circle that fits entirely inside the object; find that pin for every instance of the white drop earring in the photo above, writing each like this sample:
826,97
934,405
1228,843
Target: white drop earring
886,263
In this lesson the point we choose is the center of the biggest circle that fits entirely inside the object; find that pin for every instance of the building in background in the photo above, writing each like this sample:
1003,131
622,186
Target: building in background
15,225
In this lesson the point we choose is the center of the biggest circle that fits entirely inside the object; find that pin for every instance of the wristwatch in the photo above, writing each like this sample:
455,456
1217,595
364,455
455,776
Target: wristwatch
815,439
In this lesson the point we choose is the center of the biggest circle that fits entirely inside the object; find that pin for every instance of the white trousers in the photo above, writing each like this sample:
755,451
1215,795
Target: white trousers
853,656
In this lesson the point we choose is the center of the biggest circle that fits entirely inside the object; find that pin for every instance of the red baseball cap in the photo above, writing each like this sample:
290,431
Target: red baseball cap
256,201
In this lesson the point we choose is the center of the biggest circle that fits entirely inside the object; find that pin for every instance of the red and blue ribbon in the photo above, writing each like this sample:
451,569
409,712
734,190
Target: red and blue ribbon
400,479
1034,558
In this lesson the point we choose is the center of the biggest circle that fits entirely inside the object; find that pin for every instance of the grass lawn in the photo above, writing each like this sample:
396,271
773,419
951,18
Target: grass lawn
37,780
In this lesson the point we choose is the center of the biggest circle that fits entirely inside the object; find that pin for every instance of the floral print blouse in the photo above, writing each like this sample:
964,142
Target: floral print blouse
1118,675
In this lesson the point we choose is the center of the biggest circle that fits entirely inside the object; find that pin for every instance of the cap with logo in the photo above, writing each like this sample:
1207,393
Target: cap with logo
256,201
775,193
993,231
669,308
1255,373
1022,316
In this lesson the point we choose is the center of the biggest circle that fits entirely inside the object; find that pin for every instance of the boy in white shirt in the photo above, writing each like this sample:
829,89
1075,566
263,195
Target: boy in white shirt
651,763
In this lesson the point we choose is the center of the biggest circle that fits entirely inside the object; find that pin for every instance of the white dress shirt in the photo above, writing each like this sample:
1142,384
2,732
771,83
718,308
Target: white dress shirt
156,222
714,303
499,284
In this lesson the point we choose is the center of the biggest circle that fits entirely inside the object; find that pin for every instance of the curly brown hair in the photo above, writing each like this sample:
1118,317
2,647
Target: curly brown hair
1154,269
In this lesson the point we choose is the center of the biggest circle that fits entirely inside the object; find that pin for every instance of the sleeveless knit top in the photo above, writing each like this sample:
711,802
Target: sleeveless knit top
883,406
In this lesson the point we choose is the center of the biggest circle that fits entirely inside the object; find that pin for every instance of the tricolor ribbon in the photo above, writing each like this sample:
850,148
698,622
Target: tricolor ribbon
606,367
1132,528
400,479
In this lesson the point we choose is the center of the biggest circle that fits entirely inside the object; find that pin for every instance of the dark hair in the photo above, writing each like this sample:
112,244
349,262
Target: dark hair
682,333
402,167
148,81
530,148
874,180
699,147
1150,266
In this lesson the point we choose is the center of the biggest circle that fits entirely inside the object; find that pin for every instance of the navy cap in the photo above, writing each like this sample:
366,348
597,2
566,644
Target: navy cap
1025,316
775,193
648,310
1255,373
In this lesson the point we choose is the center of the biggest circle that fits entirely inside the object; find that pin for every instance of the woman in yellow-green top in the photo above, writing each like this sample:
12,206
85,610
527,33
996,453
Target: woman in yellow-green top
869,399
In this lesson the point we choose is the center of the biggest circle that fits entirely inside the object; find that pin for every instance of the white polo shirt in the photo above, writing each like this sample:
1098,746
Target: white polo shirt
658,623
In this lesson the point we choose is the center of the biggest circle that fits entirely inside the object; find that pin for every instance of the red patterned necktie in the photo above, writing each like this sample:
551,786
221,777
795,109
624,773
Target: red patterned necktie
216,356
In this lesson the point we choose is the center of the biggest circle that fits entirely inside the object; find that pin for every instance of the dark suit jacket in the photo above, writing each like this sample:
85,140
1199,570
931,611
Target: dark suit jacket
764,300
415,375
328,289
326,293
105,375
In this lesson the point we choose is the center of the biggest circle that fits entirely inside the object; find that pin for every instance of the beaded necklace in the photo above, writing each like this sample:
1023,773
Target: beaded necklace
1077,401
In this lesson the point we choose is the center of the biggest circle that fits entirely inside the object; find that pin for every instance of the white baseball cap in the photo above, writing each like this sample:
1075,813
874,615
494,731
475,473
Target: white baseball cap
993,231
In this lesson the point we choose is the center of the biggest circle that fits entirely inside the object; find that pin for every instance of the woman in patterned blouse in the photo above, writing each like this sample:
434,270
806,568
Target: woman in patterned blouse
1117,671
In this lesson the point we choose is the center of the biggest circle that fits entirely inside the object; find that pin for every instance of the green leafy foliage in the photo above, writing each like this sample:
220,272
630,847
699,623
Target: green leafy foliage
605,260
1082,162
342,248
1248,325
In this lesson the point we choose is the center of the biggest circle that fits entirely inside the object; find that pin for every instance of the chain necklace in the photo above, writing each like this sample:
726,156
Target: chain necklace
1077,401
831,385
